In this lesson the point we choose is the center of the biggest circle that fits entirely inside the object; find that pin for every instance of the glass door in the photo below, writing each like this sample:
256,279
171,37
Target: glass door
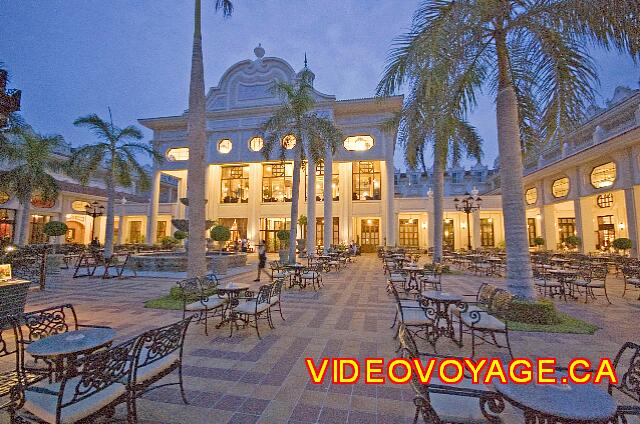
369,235
448,236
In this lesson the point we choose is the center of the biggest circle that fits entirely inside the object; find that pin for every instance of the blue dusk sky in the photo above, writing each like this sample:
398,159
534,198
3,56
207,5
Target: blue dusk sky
74,57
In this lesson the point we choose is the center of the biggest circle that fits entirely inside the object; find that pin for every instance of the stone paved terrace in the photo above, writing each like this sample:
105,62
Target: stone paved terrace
246,380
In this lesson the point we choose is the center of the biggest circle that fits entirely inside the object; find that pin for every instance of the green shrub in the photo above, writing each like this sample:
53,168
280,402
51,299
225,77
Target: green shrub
220,233
283,236
621,243
573,241
540,312
538,241
55,228
169,242
180,235
175,292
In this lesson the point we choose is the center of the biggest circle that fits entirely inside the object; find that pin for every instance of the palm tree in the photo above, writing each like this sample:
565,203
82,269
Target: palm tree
315,137
533,56
197,139
113,159
429,119
33,161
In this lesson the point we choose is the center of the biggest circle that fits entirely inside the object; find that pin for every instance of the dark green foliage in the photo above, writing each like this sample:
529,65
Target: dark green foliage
55,228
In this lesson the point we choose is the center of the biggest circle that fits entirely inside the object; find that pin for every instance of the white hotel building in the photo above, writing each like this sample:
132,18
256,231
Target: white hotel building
587,184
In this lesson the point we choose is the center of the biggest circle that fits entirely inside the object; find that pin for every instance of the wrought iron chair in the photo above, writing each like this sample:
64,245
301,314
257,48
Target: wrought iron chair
431,279
416,318
197,296
481,320
275,299
312,274
13,372
91,386
631,276
256,306
627,367
594,278
47,322
157,353
439,403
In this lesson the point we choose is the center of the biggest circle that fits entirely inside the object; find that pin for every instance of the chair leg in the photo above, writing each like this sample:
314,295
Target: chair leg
255,317
132,409
181,380
606,295
394,320
473,343
506,336
280,310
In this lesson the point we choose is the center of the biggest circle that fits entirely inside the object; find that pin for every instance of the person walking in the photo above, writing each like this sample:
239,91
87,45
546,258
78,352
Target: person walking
262,259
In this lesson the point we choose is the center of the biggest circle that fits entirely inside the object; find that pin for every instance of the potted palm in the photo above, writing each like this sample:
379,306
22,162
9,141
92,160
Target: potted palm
283,236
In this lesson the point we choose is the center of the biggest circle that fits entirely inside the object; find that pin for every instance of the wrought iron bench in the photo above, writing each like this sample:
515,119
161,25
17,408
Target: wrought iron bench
88,261
118,262
198,296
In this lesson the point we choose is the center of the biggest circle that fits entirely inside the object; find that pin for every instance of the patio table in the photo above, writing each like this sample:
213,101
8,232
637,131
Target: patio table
232,291
296,278
565,277
440,301
57,348
560,403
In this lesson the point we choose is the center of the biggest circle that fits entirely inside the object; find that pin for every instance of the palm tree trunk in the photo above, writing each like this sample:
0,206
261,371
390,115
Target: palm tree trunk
519,273
196,139
439,160
23,230
295,199
111,200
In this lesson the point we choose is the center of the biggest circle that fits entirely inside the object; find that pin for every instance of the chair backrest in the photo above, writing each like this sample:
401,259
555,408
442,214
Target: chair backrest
190,291
89,374
211,280
10,336
627,367
276,288
158,343
264,295
49,321
598,273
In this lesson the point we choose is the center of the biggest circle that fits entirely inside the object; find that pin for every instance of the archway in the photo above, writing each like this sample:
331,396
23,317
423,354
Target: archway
75,232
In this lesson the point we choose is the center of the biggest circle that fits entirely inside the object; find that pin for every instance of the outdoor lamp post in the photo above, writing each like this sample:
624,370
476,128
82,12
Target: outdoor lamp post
94,210
470,203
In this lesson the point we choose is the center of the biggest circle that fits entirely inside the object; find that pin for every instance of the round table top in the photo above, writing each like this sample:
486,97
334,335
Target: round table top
585,402
562,271
411,268
560,260
494,259
441,296
234,286
71,342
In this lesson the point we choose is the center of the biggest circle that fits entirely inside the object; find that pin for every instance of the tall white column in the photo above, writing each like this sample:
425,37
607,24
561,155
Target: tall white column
547,223
475,229
632,219
389,191
311,206
121,224
152,221
577,212
328,200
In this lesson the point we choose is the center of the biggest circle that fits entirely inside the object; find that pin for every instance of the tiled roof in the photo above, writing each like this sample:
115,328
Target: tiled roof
100,192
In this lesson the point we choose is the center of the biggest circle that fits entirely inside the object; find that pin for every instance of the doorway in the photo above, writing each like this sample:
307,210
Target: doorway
369,235
448,236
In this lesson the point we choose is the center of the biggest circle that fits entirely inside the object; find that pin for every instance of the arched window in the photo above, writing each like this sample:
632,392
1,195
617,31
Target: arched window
603,175
358,143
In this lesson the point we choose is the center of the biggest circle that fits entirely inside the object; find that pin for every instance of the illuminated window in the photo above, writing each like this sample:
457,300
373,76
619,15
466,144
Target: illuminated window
256,144
79,206
605,200
177,154
277,182
289,141
531,196
224,146
4,197
39,202
358,143
603,175
366,180
335,189
560,187
235,184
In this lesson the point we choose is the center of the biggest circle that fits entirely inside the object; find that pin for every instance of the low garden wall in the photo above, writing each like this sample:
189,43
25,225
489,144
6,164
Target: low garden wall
173,262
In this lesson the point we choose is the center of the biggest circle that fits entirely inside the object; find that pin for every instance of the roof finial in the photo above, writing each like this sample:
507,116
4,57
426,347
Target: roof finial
259,51
305,60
